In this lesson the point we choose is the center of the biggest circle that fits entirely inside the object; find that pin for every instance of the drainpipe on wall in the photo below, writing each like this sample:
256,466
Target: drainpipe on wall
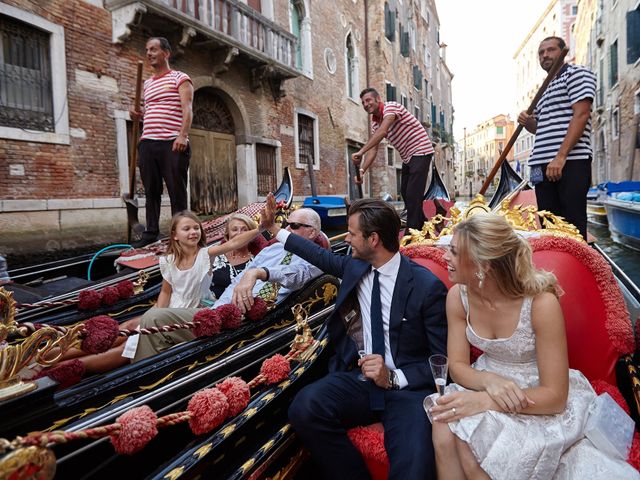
366,68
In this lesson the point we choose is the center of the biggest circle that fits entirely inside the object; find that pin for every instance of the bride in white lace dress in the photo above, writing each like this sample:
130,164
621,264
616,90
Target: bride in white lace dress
518,412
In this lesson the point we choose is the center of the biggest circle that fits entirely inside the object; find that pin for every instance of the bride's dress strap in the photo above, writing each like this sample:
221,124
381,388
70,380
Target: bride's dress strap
465,300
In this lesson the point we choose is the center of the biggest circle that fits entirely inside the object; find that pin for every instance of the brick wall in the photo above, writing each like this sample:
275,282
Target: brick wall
100,82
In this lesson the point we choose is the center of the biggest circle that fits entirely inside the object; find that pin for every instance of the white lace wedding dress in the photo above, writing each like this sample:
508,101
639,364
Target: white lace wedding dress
514,446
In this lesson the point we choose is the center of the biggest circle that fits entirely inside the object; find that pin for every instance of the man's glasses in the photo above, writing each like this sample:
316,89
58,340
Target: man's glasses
296,225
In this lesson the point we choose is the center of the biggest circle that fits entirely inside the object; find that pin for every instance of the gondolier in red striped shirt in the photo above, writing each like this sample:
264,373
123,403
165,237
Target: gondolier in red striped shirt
408,136
164,150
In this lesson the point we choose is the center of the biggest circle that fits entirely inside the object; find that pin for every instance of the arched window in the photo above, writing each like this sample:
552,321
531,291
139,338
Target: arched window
351,65
301,29
296,29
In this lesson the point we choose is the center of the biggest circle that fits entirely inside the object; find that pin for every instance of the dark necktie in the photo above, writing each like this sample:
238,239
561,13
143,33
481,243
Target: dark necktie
377,337
377,329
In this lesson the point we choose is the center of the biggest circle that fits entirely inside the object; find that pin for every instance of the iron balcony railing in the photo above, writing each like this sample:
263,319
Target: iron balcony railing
232,23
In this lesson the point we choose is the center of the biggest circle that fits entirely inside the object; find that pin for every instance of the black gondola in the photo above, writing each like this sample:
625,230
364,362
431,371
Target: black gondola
510,182
53,283
436,200
47,408
437,188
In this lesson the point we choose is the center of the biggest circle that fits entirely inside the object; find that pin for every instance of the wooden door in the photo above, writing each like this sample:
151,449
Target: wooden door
212,172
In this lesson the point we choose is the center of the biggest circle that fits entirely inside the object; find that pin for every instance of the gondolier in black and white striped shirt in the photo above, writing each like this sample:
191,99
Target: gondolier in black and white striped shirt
561,159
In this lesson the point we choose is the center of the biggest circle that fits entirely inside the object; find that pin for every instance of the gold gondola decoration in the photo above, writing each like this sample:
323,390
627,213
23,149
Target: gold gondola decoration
522,218
45,346
29,455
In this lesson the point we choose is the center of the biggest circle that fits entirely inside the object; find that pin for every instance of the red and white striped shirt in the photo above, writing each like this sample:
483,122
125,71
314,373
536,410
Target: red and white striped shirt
162,107
406,133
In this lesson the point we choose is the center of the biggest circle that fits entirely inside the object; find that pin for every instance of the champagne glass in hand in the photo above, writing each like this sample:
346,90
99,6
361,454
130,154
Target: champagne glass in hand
358,338
439,367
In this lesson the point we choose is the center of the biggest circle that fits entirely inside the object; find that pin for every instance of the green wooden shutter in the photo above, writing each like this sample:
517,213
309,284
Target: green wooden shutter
633,35
389,23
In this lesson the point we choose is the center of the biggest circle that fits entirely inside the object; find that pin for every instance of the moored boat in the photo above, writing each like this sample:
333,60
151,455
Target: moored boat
622,204
596,211
332,210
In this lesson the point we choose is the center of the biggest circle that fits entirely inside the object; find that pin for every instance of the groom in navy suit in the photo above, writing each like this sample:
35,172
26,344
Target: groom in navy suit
392,309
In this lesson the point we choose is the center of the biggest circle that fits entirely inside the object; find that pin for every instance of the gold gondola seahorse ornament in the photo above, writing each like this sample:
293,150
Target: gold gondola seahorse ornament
39,347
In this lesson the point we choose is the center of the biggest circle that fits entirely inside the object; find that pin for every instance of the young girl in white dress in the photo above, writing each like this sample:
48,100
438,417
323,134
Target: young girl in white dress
186,269
518,412
186,277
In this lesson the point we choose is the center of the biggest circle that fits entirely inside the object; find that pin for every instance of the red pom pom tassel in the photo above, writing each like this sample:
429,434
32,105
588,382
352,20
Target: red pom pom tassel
66,373
110,296
125,289
138,428
231,316
101,332
209,408
258,310
89,300
275,369
208,323
237,393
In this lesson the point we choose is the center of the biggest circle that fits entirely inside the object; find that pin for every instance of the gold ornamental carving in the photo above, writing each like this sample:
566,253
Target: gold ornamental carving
45,346
522,218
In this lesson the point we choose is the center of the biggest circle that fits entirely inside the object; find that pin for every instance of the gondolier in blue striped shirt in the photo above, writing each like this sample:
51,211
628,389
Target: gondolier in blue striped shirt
561,159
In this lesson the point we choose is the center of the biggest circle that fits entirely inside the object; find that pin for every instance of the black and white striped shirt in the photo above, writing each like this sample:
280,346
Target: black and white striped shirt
553,113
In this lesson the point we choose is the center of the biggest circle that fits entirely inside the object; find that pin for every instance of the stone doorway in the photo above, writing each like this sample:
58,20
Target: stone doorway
212,171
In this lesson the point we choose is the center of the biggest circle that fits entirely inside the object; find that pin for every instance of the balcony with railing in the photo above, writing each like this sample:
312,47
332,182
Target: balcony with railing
212,24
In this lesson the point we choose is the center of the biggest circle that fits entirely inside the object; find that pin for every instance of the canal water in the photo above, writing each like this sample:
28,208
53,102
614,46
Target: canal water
626,258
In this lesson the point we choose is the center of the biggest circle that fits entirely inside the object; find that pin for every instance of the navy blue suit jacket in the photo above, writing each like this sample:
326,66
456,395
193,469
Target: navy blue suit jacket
417,325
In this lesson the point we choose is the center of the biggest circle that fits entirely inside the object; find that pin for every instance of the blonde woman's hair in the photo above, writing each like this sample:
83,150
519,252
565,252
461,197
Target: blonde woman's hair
246,219
174,247
487,239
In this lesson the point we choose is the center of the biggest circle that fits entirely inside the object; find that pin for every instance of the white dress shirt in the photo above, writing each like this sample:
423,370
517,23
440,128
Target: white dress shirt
387,279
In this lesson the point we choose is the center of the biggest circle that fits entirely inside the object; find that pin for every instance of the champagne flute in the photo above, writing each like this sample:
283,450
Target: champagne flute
439,367
358,338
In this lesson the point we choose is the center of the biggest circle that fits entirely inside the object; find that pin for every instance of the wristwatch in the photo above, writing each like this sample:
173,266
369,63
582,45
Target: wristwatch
393,381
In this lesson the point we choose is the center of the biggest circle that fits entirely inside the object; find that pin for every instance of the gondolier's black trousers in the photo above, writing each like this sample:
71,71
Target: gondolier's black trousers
568,196
158,162
414,183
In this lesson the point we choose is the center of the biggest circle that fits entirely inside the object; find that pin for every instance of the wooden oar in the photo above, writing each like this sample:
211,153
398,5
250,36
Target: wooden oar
358,180
339,237
133,224
555,68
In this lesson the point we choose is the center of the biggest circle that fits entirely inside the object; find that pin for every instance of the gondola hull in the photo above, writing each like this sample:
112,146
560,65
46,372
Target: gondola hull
96,396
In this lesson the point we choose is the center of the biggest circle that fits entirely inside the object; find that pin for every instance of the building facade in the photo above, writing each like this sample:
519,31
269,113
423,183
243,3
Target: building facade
407,64
276,82
609,44
557,20
479,151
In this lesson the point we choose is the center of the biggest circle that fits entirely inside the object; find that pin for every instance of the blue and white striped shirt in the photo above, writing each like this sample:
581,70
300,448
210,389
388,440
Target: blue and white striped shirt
553,114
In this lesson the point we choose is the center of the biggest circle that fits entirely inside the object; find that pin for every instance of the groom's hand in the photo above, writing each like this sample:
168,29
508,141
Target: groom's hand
373,367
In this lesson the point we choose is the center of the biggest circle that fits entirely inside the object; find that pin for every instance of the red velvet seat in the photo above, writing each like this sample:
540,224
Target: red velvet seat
597,322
